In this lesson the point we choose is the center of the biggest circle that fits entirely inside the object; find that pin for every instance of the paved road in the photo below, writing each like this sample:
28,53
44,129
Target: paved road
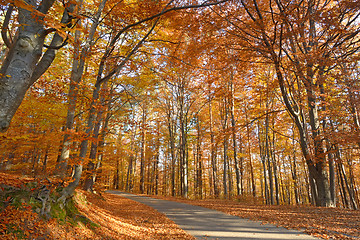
208,224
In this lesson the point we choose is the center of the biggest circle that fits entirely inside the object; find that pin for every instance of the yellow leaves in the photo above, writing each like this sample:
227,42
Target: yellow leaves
8,76
22,4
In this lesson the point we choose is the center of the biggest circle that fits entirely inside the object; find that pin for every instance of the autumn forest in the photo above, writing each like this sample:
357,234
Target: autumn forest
255,100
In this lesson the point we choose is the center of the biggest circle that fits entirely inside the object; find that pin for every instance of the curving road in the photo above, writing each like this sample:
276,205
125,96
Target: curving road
204,223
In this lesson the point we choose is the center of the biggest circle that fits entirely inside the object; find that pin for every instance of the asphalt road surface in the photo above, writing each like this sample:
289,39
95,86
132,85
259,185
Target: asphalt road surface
204,223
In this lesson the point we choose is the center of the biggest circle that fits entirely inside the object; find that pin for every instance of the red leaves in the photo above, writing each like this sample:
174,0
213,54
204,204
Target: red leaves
20,221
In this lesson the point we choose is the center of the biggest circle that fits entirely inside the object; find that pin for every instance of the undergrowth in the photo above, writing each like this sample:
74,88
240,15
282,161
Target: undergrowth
27,206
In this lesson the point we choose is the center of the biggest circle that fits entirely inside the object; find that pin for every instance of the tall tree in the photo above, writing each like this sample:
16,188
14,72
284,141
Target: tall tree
298,39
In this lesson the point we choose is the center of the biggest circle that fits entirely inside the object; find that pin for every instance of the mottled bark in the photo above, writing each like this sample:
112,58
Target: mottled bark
25,61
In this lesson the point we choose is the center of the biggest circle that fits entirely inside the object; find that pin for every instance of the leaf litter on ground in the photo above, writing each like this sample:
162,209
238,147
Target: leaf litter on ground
107,217
322,222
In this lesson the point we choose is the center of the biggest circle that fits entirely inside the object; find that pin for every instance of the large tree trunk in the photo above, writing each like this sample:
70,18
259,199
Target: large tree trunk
22,65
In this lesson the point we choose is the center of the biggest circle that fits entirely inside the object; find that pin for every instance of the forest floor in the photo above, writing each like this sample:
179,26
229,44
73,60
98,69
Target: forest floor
326,223
113,217
108,217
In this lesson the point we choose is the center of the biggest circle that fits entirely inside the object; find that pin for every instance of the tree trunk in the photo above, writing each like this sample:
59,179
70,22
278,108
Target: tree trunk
143,149
89,181
236,160
75,78
25,61
198,163
213,152
253,186
83,146
224,123
132,160
171,130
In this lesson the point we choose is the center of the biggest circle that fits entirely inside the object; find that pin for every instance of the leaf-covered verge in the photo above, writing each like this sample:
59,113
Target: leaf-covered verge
86,216
322,222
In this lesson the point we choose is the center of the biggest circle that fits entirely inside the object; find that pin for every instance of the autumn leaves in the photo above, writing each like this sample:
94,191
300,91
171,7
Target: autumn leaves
201,106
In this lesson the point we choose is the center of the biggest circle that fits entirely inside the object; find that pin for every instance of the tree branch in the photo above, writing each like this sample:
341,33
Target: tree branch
6,25
158,15
123,62
45,5
50,53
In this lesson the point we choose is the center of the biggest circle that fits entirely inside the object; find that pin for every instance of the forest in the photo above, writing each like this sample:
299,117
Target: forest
256,100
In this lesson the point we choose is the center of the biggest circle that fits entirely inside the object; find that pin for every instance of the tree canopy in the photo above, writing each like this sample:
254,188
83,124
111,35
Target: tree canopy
250,99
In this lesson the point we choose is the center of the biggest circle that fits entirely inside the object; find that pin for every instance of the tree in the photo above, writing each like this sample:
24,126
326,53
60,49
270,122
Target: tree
301,42
25,61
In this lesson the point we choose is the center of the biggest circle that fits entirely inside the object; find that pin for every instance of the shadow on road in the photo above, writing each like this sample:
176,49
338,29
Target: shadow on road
210,224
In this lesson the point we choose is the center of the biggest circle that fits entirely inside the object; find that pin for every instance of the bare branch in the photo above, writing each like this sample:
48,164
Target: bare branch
6,25
58,47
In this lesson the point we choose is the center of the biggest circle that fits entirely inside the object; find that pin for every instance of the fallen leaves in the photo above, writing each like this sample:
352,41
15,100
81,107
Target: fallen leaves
327,223
102,217
121,218
16,223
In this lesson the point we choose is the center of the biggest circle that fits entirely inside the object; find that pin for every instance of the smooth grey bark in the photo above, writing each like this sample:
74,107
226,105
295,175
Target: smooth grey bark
198,161
268,156
78,66
238,173
171,129
78,168
25,61
75,79
293,164
213,151
224,111
89,181
253,186
275,170
143,148
183,157
132,162
157,161
262,149
100,146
